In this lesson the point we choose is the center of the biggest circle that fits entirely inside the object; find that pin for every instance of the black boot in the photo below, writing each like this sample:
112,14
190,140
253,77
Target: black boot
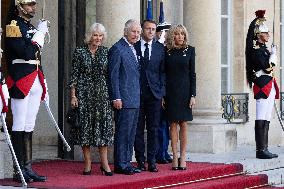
266,129
28,159
18,145
260,140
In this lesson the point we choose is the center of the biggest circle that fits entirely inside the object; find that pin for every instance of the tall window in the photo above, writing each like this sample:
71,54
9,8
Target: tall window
281,45
226,45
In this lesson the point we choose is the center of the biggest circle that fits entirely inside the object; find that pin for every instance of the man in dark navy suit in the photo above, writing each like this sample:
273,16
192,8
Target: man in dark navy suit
125,93
152,81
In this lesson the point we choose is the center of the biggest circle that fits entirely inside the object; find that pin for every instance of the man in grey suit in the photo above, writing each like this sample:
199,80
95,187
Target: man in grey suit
125,93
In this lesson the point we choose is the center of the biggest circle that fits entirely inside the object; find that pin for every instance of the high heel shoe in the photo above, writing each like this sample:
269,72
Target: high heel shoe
175,168
104,172
87,172
179,167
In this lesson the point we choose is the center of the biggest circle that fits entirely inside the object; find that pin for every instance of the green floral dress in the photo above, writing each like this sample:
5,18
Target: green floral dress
89,77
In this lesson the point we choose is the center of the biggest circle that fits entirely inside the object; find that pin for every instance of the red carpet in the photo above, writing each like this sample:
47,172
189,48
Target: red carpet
67,175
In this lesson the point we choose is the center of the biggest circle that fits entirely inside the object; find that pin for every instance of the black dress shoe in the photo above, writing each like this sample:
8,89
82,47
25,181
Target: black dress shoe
175,168
141,165
265,154
126,171
162,161
170,160
33,175
17,177
136,170
152,167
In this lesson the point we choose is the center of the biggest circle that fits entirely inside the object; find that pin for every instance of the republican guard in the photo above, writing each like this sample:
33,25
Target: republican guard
260,63
25,81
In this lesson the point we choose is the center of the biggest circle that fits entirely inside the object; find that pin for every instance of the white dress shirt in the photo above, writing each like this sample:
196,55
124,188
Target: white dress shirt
132,48
143,47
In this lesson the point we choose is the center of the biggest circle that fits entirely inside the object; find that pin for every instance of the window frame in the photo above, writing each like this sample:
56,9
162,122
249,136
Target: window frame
281,45
229,51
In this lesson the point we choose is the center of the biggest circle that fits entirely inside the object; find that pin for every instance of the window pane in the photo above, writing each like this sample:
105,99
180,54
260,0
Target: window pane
281,46
281,13
224,80
224,41
281,59
224,7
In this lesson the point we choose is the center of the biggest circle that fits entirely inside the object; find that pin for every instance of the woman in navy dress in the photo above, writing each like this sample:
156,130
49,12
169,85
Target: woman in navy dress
180,90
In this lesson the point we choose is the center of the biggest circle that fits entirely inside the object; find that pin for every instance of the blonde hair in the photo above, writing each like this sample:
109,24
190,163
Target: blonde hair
170,38
95,27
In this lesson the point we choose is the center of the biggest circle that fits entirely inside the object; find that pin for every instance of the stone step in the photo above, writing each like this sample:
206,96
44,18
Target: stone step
273,168
244,155
275,176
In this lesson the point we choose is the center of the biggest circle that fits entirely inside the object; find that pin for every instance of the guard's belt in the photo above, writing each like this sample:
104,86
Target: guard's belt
20,61
261,72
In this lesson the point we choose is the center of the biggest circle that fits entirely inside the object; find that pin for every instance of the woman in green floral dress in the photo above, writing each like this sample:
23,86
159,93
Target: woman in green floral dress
89,92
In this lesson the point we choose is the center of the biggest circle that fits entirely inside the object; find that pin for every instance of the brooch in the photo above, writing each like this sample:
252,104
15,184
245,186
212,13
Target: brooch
184,51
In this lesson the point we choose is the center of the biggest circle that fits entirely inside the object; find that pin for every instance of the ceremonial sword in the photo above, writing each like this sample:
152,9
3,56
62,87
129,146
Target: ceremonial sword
46,104
273,43
12,150
43,19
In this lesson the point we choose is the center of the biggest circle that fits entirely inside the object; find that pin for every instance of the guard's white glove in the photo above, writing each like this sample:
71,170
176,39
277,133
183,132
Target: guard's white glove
162,37
1,51
42,29
273,59
6,97
273,49
46,97
5,93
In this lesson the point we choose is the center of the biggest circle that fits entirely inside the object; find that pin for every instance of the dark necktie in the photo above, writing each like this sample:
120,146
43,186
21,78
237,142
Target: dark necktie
146,53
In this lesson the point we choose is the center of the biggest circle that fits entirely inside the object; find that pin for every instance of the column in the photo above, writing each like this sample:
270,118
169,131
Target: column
173,10
6,163
208,131
113,14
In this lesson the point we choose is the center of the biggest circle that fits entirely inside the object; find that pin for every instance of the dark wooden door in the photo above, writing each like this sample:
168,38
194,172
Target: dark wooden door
5,5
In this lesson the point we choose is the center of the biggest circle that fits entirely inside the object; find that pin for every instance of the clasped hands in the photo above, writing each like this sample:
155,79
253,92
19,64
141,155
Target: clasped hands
117,104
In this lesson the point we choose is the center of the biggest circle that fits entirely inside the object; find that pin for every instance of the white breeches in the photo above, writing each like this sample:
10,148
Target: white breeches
264,106
25,110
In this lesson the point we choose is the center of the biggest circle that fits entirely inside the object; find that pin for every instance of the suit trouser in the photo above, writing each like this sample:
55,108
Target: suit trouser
149,113
125,129
25,110
163,137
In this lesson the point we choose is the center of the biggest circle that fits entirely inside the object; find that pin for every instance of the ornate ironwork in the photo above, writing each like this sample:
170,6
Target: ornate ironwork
282,105
235,107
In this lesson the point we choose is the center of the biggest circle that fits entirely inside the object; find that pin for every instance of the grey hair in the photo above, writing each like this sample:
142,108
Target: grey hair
129,24
95,27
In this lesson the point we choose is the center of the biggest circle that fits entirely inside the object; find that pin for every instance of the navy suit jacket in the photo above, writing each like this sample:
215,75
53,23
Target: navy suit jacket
124,75
155,69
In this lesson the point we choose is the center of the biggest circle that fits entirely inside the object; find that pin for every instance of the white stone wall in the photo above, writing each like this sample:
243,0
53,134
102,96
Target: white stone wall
45,132
90,13
173,11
